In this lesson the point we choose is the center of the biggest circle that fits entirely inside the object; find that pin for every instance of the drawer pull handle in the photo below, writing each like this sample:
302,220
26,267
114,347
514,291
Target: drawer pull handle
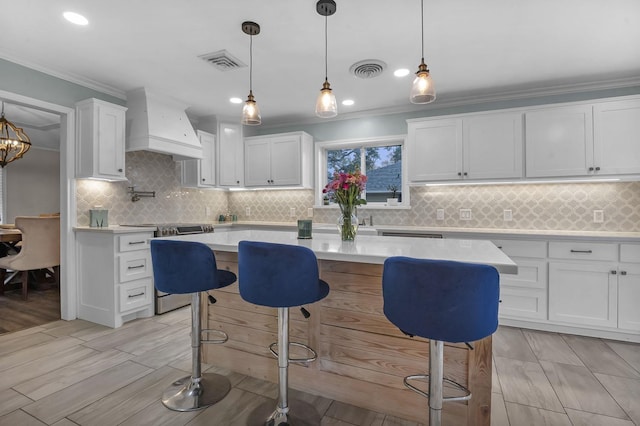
581,251
132,243
135,267
500,247
131,296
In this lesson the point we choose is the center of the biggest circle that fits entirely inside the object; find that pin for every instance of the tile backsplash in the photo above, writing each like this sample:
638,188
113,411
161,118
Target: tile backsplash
565,206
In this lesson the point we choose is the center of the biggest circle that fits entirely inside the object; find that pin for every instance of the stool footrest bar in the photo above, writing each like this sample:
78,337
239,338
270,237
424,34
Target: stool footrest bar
295,360
205,332
456,385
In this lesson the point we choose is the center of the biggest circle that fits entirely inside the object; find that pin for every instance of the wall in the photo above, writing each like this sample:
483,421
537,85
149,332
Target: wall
534,206
149,171
32,184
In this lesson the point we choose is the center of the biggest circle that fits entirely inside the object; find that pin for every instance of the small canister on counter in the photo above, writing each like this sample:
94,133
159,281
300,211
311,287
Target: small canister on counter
304,229
98,217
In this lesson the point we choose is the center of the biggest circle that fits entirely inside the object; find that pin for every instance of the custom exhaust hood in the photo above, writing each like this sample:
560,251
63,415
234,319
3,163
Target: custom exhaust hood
160,124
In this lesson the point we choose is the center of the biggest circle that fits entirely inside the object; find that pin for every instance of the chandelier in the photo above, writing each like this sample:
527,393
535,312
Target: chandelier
14,143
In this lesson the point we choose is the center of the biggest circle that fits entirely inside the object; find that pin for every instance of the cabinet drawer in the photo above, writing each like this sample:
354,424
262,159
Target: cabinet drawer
531,274
131,242
583,251
630,253
523,303
135,265
522,248
136,294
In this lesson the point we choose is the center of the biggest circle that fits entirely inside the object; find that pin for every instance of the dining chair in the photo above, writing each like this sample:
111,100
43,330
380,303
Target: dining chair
40,250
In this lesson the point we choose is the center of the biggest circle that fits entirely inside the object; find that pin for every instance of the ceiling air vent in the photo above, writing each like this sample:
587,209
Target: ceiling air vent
368,68
223,60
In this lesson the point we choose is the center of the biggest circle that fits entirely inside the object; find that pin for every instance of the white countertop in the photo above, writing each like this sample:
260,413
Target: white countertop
115,229
366,248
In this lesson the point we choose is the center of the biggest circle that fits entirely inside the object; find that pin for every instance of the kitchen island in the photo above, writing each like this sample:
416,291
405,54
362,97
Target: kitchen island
362,357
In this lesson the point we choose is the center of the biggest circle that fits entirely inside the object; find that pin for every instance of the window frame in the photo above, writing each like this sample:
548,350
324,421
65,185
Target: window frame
321,149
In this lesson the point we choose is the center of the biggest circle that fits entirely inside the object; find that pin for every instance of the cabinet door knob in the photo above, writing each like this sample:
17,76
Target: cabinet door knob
459,174
203,179
614,272
120,170
465,173
237,181
590,169
597,169
623,272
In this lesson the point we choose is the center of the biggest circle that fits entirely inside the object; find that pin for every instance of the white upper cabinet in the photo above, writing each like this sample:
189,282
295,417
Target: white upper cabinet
478,146
434,149
492,146
559,141
284,159
100,140
616,137
230,150
584,140
201,173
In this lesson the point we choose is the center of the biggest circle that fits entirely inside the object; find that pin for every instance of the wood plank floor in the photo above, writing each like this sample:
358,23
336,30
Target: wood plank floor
78,373
41,306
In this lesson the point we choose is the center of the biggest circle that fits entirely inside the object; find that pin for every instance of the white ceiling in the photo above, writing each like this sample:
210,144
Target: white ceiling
475,49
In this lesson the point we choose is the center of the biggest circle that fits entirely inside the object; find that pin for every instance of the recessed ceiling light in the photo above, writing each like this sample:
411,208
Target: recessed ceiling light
348,102
75,18
401,72
235,100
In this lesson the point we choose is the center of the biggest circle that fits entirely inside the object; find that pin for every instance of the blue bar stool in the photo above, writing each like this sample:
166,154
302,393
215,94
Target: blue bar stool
181,267
442,301
281,276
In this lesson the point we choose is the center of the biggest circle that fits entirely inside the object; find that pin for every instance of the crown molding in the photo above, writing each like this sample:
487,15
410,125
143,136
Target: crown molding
72,78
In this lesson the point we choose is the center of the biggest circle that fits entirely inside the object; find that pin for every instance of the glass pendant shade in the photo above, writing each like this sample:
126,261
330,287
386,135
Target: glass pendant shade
251,112
423,90
326,105
14,143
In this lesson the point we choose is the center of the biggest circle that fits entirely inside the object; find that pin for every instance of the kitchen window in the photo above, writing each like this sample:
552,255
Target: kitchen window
380,159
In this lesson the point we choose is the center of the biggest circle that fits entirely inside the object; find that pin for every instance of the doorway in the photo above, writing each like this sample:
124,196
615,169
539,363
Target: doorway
67,204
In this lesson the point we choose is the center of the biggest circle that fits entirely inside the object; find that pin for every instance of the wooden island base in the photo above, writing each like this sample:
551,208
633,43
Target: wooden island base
362,357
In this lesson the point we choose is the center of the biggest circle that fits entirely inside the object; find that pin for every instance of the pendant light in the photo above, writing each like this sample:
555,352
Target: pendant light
251,112
423,91
326,106
14,143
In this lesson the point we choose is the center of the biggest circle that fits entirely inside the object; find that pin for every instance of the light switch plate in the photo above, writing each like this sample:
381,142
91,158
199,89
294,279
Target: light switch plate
310,212
247,211
292,212
439,214
507,215
465,214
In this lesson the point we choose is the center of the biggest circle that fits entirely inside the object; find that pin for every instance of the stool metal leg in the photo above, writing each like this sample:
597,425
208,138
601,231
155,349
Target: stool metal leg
198,390
436,376
288,412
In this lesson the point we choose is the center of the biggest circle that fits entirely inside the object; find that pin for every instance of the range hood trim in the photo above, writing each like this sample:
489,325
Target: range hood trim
160,124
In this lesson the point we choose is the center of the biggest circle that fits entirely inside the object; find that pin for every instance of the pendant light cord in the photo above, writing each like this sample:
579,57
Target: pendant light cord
251,63
326,43
422,22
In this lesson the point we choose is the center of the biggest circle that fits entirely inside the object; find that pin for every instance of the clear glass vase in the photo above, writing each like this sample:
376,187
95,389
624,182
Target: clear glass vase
347,223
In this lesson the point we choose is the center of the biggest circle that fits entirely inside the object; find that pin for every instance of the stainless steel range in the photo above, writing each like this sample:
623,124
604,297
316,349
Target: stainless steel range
166,302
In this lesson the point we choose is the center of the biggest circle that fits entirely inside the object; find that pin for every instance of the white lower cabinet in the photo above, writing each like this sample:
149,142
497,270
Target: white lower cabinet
629,288
583,293
524,295
115,277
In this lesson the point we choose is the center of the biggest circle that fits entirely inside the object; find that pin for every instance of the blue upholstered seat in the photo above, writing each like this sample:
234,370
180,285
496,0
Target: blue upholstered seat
441,300
279,275
186,267
190,267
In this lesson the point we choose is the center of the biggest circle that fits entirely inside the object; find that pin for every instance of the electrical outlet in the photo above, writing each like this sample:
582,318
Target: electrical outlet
247,211
507,215
292,212
439,214
310,212
598,216
207,211
465,214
